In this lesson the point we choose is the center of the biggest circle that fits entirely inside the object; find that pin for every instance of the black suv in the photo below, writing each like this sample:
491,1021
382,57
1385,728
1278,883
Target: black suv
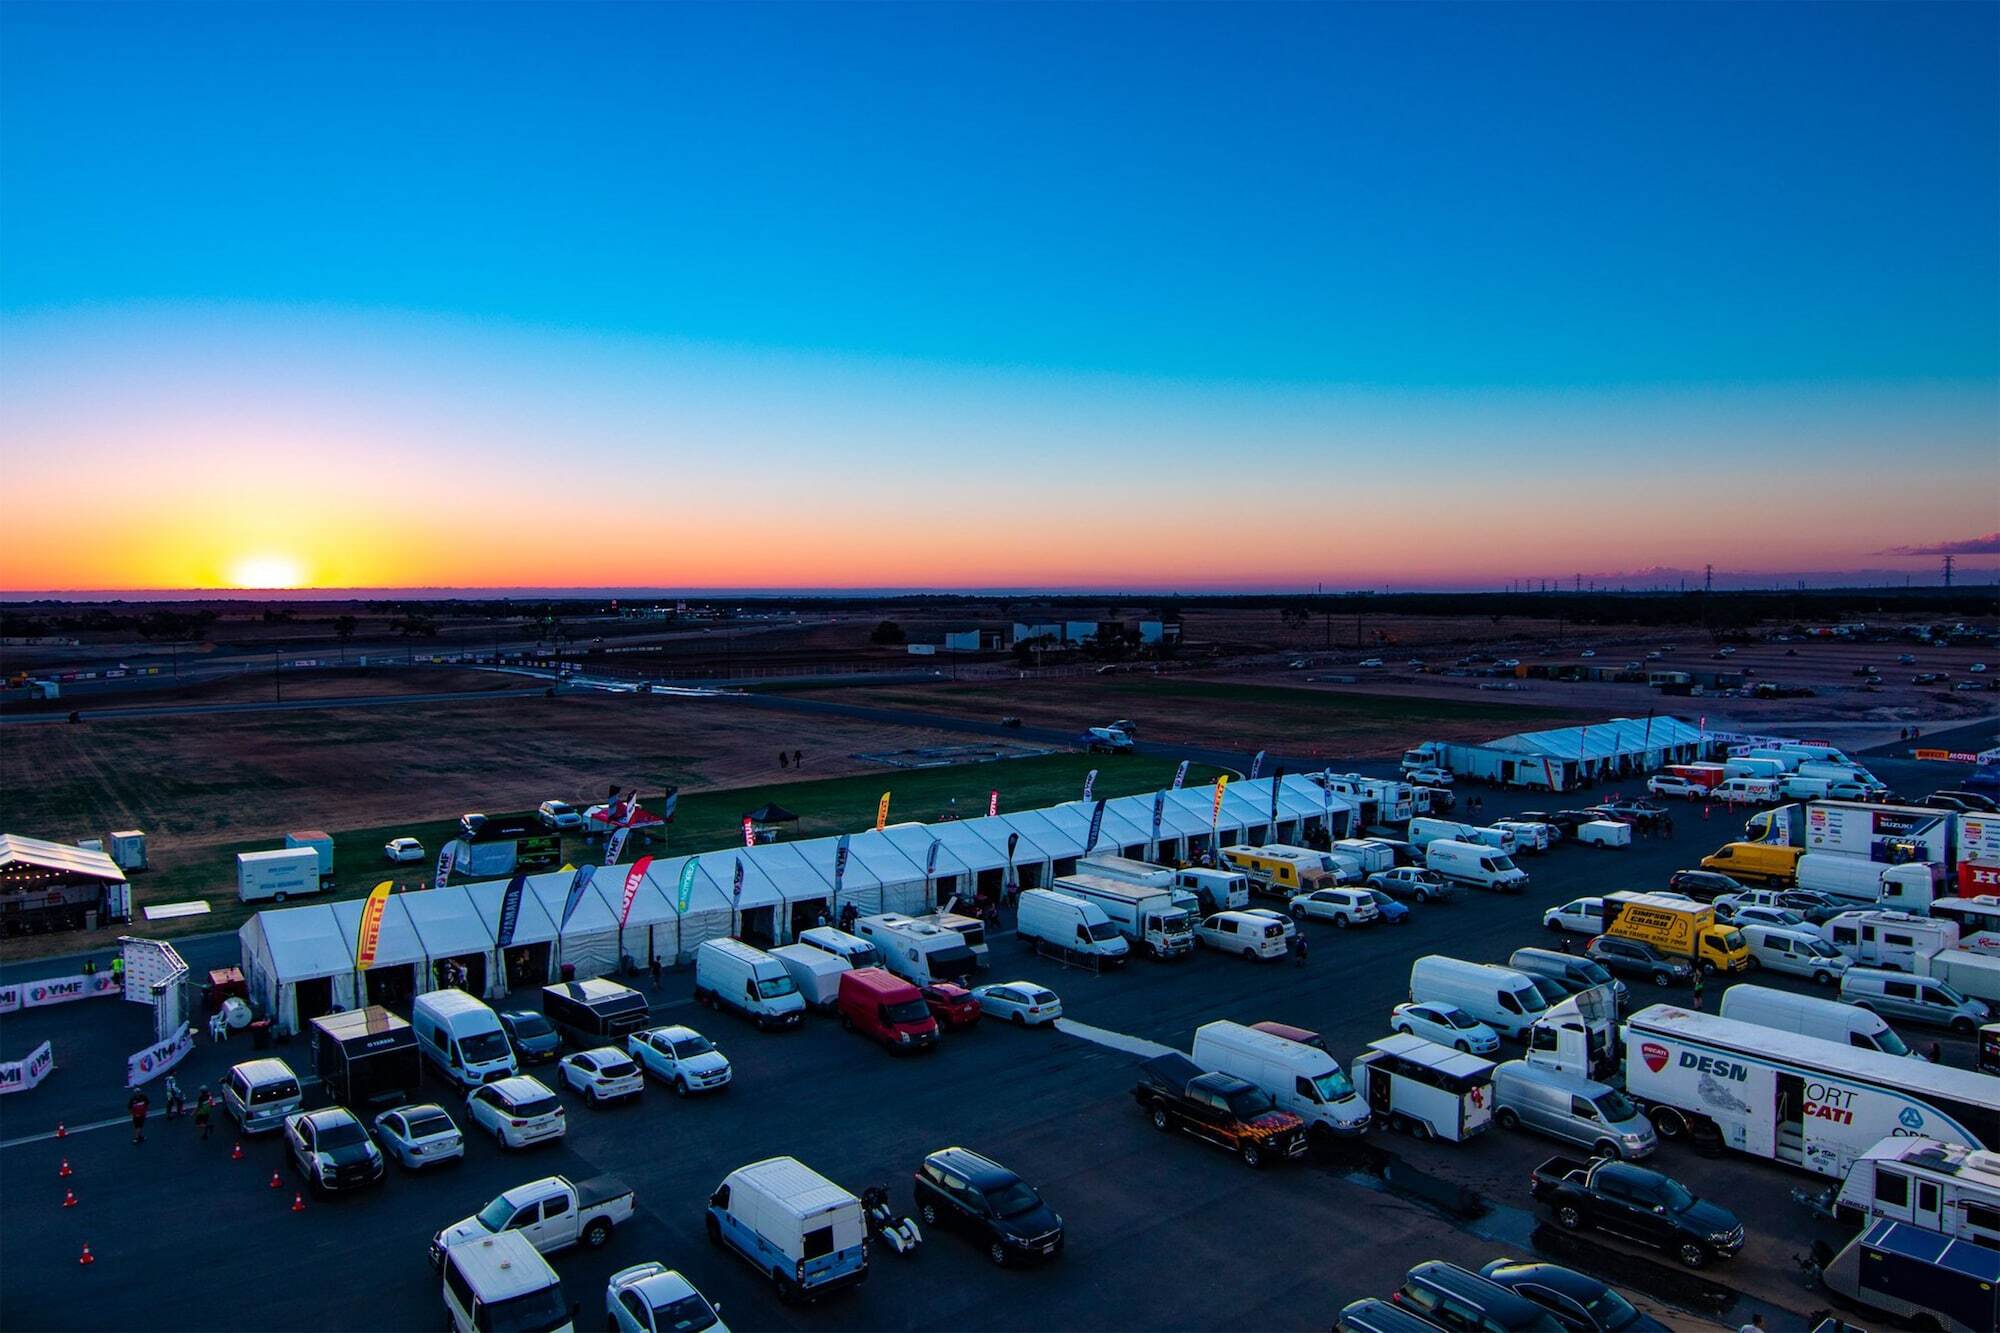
1453,1297
1579,1303
1634,959
1704,886
956,1187
532,1036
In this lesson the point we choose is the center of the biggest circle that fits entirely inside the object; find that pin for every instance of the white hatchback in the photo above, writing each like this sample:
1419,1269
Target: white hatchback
680,1056
517,1111
1020,1002
401,850
1447,1025
602,1074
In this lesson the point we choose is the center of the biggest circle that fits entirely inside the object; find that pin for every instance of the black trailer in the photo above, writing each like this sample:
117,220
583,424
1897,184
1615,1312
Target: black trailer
597,1012
367,1058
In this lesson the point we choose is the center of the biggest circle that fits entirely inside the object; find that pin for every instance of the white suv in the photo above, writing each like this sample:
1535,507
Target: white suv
1666,784
1429,776
1343,907
517,1111
559,815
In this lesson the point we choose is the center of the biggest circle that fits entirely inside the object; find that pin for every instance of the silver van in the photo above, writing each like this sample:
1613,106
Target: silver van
260,1094
1564,1106
1918,999
1802,953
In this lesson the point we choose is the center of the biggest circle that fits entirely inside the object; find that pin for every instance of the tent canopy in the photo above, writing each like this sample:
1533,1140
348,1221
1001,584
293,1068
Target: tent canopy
398,941
770,813
446,922
1604,740
301,942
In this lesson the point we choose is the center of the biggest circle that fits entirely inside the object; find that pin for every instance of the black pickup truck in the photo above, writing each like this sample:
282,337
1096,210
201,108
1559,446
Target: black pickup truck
1641,1205
1221,1108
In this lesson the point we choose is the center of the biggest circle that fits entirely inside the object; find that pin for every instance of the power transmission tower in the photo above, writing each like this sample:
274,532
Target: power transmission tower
1947,571
1708,578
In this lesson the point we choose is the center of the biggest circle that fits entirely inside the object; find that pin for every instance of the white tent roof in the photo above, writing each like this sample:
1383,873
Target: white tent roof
1199,801
996,829
797,878
715,882
820,853
1118,830
651,905
446,922
1055,840
915,841
884,862
1603,740
398,941
533,924
962,841
594,914
301,942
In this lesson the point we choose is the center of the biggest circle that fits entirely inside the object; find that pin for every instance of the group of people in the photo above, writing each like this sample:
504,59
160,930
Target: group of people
797,759
139,1105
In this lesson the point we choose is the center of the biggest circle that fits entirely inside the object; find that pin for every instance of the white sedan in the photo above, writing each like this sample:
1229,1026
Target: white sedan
419,1136
1022,1002
401,850
1430,776
602,1074
517,1111
1447,1025
653,1298
680,1056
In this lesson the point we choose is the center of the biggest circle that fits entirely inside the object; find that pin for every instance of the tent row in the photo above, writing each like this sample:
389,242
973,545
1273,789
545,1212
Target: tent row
300,961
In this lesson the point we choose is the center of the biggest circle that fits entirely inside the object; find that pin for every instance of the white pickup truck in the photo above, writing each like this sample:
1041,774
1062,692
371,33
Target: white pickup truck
552,1213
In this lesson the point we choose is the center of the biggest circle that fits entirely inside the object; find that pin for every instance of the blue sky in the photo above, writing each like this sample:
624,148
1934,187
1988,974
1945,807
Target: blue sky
1454,224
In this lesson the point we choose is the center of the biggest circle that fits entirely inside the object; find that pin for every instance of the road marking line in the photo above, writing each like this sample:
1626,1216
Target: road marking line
43,1138
1117,1041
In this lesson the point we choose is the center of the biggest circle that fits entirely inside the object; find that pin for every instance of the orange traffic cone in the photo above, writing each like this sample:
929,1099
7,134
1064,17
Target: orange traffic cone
276,1184
61,1131
298,1203
236,1153
69,1199
86,1259
1704,812
63,1170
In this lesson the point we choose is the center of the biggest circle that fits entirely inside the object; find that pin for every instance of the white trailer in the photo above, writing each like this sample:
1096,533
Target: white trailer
1909,887
814,971
1797,1100
1147,916
1942,1187
274,876
1432,1091
1972,974
1372,853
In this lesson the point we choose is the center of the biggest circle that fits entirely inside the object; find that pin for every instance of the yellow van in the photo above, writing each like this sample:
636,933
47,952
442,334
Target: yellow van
1677,928
1281,872
1771,862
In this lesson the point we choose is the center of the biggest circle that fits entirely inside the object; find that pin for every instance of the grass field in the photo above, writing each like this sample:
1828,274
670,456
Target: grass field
705,821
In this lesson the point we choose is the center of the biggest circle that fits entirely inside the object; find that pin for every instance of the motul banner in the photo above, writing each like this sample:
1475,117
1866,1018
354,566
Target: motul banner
369,934
20,1075
158,1058
633,879
56,990
749,832
993,803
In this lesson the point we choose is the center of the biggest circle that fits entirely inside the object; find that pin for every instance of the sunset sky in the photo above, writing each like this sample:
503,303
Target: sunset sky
981,296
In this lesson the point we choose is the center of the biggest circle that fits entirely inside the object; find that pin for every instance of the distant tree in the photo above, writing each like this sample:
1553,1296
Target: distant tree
416,627
888,634
279,615
343,627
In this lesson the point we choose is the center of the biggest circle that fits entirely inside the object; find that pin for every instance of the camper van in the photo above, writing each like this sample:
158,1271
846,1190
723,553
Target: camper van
462,1038
1424,832
1303,1079
1810,1016
857,951
729,974
1503,999
1943,1187
1896,940
1473,863
917,949
1071,924
1286,872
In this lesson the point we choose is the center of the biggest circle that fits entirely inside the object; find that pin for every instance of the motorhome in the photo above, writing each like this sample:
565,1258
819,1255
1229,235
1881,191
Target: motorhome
1943,1187
1214,890
973,931
1285,872
1895,940
1922,1280
1977,919
918,949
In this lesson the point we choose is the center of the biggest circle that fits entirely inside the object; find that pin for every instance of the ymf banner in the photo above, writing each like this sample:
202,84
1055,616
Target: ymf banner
446,859
614,846
370,933
633,879
882,813
1215,815
510,910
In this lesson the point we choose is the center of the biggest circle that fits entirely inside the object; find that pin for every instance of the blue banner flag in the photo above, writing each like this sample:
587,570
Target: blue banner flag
577,887
510,910
1089,783
839,868
1257,764
1277,783
1096,827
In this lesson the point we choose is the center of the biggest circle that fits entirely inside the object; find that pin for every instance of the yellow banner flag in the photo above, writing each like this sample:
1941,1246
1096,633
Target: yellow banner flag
370,933
882,813
1220,783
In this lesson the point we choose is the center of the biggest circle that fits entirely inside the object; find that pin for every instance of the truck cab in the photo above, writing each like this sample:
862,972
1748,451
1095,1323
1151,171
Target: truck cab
552,1213
1678,928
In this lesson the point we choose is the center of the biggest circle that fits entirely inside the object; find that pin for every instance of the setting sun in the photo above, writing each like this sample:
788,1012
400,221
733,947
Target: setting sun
267,571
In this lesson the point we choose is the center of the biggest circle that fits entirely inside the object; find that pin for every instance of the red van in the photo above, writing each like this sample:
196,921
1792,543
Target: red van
885,1007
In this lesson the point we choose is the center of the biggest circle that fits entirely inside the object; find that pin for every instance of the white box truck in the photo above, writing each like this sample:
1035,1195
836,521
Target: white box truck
1797,1100
276,875
1107,866
1148,917
1972,974
1909,887
814,971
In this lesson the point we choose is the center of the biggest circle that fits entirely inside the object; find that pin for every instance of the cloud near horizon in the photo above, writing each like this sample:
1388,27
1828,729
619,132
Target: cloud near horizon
1987,545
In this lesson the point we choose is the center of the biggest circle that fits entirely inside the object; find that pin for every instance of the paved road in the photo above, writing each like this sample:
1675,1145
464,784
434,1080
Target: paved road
1154,1221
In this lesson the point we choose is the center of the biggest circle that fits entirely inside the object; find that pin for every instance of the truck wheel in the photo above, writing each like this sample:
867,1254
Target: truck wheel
788,1291
1160,1121
1822,978
1253,1156
1692,1255
1708,967
1506,1119
597,1233
681,1087
1569,1218
1423,896
1668,1123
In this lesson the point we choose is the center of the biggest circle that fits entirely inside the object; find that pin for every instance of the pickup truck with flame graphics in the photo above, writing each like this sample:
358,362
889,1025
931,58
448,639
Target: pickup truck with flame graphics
1175,1092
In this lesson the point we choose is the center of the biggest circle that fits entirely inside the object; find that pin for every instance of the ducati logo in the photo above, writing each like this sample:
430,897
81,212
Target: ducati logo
1654,1054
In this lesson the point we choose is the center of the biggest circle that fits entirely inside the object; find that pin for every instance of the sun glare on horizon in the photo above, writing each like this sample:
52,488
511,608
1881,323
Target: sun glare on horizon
267,571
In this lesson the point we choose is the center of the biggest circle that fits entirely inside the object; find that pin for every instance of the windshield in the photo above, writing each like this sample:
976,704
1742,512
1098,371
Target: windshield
1041,997
1176,925
341,1134
1333,1086
1675,1195
1615,1106
1732,940
1531,1000
530,1312
1013,1199
1947,995
1500,863
1591,972
1889,1043
906,1011
496,1215
1821,949
865,956
557,807
692,1046
531,1025
1250,1102
1611,1310
483,1046
1102,930
772,988
690,1314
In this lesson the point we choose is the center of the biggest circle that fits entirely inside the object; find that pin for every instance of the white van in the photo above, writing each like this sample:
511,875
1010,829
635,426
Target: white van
1476,864
729,973
462,1038
1424,832
1302,1079
793,1225
1069,923
1505,1000
1493,835
1899,941
1215,890
1810,1016
1798,951
814,971
502,1280
260,1094
1529,835
857,951
1746,791
1244,933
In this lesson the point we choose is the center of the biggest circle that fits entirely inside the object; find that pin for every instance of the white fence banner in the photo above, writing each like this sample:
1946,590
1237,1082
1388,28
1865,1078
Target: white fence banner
158,1058
20,1075
56,990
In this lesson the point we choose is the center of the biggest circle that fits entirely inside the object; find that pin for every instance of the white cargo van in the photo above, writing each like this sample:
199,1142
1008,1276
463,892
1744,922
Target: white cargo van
814,971
1810,1016
792,1225
917,949
1069,923
857,951
502,1281
462,1038
1746,791
731,974
1215,890
1302,1079
1424,832
1493,835
1248,934
1895,940
1476,864
1503,999
1797,951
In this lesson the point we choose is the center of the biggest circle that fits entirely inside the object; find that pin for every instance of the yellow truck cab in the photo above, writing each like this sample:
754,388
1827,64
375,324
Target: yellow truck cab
1281,872
1677,927
1771,862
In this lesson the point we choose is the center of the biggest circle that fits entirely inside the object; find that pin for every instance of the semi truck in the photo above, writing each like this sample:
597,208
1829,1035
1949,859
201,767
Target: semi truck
1149,917
1892,834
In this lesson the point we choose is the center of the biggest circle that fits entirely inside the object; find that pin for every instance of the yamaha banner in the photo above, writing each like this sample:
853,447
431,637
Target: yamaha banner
510,911
1096,827
633,879
577,887
1180,775
736,893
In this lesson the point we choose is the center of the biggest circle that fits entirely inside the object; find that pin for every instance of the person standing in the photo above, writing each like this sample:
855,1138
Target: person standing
138,1105
798,759
654,966
176,1103
204,1111
1299,949
1697,989
783,762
